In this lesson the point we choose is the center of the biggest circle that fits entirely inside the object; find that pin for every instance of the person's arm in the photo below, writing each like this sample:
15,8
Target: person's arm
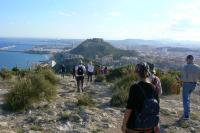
160,86
129,108
125,120
84,69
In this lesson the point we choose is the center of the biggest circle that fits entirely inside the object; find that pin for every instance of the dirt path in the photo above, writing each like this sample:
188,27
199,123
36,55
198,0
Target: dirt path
99,118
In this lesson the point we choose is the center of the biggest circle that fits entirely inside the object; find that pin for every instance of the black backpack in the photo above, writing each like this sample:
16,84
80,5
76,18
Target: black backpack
149,115
80,70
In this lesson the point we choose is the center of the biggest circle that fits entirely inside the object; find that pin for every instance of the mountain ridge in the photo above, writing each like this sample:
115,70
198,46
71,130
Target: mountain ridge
91,48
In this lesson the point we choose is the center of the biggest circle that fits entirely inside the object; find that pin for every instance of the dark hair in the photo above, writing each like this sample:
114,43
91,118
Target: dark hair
190,57
142,69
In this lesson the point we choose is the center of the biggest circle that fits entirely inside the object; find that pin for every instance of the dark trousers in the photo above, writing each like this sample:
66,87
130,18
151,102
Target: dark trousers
90,74
80,81
62,74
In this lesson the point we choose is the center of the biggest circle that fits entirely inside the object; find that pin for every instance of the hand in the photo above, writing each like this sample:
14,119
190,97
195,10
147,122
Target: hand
123,128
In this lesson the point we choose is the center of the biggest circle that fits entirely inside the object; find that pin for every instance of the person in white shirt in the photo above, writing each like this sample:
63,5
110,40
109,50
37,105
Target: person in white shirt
79,73
90,71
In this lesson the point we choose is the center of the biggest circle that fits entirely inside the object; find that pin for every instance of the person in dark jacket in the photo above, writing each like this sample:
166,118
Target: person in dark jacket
138,93
62,71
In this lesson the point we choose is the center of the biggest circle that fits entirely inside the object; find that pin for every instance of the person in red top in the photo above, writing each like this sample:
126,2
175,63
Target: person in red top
154,79
138,118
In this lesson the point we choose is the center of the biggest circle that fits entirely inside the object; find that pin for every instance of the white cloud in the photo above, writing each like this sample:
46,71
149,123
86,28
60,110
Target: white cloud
62,13
183,21
65,14
115,13
156,15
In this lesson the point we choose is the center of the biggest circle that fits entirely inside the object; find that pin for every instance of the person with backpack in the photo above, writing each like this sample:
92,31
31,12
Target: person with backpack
154,79
189,78
142,110
90,71
80,72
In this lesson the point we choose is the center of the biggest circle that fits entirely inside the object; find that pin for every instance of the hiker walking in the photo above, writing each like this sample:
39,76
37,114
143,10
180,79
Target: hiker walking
90,71
80,71
190,76
154,79
62,71
142,110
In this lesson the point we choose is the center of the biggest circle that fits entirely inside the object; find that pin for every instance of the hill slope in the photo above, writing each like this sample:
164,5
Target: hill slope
92,47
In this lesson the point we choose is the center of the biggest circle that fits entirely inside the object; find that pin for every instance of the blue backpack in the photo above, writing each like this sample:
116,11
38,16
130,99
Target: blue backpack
148,117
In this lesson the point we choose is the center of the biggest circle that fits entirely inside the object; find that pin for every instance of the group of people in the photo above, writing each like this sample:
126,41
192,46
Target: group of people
142,110
143,105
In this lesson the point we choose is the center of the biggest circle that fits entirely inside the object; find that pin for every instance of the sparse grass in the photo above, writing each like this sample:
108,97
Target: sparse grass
75,118
121,90
36,128
85,99
184,124
97,130
20,130
65,116
119,98
5,74
165,112
100,78
194,116
169,84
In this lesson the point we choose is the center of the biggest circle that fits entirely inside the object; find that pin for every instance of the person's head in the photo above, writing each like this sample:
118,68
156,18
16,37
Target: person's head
142,70
152,69
81,62
190,59
90,63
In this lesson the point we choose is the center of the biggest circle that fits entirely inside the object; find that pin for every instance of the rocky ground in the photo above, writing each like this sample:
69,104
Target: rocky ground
63,115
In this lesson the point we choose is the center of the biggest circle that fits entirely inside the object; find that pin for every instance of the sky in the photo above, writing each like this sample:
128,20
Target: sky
109,19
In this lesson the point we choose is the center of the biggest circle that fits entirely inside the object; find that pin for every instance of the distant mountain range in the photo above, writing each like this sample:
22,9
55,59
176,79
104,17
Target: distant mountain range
117,43
156,43
91,48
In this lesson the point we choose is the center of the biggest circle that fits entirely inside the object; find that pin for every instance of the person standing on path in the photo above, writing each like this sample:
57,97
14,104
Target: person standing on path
80,72
142,110
190,77
90,71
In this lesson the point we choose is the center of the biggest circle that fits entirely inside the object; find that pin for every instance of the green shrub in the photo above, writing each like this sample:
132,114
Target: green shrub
119,73
85,99
100,78
5,74
121,90
168,81
15,70
49,75
119,98
19,98
32,88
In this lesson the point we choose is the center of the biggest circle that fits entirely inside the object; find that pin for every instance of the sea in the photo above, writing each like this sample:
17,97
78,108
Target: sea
13,55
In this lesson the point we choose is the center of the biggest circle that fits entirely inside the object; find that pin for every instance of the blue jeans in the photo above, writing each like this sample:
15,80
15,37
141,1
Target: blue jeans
187,90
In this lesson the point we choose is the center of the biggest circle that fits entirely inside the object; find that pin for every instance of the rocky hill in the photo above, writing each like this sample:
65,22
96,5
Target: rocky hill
64,115
92,47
